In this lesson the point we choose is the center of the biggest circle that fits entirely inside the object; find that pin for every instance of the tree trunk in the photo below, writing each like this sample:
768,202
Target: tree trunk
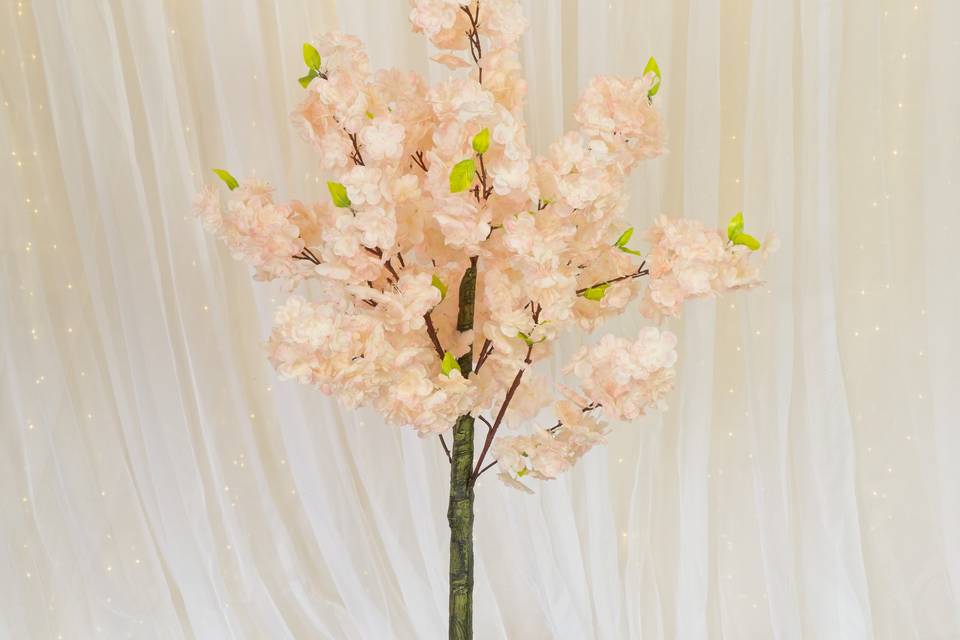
460,517
460,510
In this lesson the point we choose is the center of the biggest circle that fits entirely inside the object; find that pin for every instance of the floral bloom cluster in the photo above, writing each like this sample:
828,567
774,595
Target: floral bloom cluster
431,183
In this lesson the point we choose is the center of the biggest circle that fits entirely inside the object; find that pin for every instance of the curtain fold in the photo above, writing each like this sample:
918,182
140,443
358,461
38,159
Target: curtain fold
158,481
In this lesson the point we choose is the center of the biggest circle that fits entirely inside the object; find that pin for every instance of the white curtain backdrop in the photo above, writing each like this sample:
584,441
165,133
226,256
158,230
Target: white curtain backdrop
156,481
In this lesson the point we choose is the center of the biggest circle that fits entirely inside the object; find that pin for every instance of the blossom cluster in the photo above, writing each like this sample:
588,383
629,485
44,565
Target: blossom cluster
626,378
688,260
256,230
428,182
546,453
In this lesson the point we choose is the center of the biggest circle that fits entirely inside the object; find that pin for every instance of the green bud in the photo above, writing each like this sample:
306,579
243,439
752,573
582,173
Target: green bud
449,363
227,178
438,283
624,238
461,176
311,57
596,293
735,225
338,193
652,67
481,141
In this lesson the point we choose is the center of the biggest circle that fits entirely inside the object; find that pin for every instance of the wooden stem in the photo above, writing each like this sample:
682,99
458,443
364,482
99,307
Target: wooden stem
460,518
460,509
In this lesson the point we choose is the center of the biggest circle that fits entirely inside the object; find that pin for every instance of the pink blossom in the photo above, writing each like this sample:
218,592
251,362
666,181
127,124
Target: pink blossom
689,260
617,111
451,61
364,185
626,378
383,139
255,230
461,99
542,230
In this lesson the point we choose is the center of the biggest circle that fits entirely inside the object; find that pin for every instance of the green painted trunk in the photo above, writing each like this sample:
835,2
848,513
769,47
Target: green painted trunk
460,510
460,517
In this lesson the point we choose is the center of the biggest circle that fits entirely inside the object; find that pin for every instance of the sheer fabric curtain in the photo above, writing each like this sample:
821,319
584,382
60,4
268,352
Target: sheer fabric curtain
158,482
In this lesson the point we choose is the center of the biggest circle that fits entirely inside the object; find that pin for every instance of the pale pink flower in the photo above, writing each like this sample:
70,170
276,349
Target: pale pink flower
382,139
617,111
363,185
689,260
463,225
255,230
461,99
377,226
451,61
503,21
434,17
627,378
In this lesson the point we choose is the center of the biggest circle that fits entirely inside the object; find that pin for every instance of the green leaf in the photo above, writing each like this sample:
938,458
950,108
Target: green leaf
369,115
461,176
449,363
311,56
746,240
653,67
596,293
528,340
227,178
338,193
307,79
438,283
630,251
523,472
624,238
481,141
735,225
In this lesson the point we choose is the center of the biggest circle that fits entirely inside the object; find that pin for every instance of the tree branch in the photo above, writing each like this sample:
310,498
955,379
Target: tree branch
476,50
639,272
491,434
432,332
418,159
446,449
486,467
355,156
485,352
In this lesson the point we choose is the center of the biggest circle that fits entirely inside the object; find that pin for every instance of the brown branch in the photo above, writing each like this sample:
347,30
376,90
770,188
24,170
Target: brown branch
432,332
473,35
589,407
303,256
485,421
503,410
355,156
482,174
486,467
485,351
552,429
392,271
418,159
446,449
639,272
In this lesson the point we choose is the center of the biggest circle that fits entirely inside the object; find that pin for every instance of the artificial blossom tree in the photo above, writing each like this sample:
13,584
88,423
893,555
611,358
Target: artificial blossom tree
447,259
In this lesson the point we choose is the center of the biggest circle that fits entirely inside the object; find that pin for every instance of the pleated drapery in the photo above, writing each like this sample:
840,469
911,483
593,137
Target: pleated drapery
157,481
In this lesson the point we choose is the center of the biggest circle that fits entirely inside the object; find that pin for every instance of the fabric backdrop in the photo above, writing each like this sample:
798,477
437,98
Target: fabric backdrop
156,481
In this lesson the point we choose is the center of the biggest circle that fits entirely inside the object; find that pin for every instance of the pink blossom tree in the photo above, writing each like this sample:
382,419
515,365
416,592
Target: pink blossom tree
448,259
